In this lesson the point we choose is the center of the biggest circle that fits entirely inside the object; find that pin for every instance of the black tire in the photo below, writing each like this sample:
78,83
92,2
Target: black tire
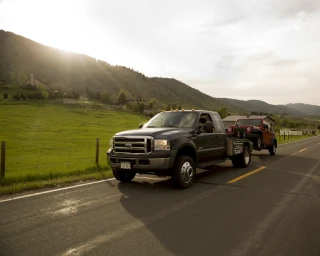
273,149
259,142
184,172
243,160
124,176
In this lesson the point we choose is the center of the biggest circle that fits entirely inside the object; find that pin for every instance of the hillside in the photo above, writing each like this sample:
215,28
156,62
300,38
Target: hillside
262,106
79,72
310,110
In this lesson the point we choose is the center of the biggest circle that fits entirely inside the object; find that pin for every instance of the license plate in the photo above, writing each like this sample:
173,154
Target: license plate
125,165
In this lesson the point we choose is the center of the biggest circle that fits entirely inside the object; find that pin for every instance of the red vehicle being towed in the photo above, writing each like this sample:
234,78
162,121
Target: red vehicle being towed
258,129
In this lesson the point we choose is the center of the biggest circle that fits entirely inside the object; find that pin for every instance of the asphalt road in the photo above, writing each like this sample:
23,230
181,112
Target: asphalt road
273,210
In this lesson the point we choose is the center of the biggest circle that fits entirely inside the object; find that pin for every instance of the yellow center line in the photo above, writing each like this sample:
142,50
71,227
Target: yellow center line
246,175
303,149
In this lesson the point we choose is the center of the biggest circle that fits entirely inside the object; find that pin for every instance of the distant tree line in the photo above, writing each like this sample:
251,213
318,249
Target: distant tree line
260,113
173,106
98,96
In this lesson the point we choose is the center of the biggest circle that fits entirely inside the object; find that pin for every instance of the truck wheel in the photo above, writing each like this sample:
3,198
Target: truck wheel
259,142
124,176
184,172
273,149
243,160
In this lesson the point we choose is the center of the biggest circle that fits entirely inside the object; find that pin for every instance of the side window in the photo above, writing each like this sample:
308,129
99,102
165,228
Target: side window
217,124
267,123
204,117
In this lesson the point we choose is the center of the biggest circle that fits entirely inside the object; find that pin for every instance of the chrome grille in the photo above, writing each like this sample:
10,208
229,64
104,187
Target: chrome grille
133,145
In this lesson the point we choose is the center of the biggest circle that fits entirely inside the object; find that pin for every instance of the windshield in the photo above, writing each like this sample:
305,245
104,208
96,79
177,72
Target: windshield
255,122
172,119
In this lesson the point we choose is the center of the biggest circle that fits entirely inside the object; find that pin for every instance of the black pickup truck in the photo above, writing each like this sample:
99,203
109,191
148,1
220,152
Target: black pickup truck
175,143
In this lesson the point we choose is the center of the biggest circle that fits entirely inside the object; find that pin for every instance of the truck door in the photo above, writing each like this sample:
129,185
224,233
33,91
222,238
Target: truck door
220,135
206,142
267,133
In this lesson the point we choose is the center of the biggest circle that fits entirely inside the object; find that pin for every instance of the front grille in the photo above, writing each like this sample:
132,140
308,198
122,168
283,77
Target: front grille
133,145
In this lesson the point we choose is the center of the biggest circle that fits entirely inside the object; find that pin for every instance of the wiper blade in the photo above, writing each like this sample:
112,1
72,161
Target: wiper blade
151,126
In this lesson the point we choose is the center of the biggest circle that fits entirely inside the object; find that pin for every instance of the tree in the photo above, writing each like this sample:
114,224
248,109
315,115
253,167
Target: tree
105,98
23,96
5,96
153,103
98,96
292,124
122,99
223,112
139,107
21,78
318,126
284,122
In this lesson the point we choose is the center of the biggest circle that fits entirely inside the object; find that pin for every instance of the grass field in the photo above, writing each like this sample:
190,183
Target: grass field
49,144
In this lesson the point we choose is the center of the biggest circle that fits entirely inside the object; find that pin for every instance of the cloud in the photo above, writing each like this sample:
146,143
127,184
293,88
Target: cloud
227,48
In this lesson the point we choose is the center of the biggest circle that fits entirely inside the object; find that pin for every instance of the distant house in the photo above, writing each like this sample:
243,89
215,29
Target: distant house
231,120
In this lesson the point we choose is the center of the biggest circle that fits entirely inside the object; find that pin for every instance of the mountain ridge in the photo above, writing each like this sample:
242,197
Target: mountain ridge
79,72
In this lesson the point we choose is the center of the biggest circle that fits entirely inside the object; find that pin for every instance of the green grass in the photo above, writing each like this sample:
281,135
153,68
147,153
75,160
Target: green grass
50,142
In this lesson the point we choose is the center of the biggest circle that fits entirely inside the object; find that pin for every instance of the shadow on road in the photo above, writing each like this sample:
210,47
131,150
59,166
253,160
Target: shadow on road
186,222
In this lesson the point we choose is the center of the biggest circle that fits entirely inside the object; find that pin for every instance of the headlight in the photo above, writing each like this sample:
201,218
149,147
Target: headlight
161,145
111,143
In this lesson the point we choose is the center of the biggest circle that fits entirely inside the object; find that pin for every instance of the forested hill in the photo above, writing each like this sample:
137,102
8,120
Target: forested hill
80,72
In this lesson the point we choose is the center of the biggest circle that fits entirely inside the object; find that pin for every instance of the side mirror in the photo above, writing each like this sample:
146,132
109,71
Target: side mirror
208,127
140,126
265,126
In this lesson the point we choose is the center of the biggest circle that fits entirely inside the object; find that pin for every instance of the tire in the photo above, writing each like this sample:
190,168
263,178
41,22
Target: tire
184,172
273,149
259,142
124,176
243,160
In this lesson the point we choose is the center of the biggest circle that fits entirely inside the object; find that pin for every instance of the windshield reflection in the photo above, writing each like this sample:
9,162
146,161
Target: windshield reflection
172,119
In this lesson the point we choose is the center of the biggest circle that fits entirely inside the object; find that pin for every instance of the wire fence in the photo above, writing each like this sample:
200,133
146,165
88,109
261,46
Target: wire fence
40,160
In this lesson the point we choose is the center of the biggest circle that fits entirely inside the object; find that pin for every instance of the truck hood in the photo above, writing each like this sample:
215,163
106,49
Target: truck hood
156,132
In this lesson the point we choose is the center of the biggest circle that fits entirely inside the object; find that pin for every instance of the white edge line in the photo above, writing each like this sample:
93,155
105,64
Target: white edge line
298,141
54,190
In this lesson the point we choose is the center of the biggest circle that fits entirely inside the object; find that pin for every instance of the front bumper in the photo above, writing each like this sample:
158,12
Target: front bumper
154,162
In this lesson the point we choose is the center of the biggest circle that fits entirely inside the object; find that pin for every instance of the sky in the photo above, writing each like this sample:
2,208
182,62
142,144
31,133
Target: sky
265,50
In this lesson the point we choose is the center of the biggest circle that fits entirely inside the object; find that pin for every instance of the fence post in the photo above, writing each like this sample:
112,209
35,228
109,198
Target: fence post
97,151
3,158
